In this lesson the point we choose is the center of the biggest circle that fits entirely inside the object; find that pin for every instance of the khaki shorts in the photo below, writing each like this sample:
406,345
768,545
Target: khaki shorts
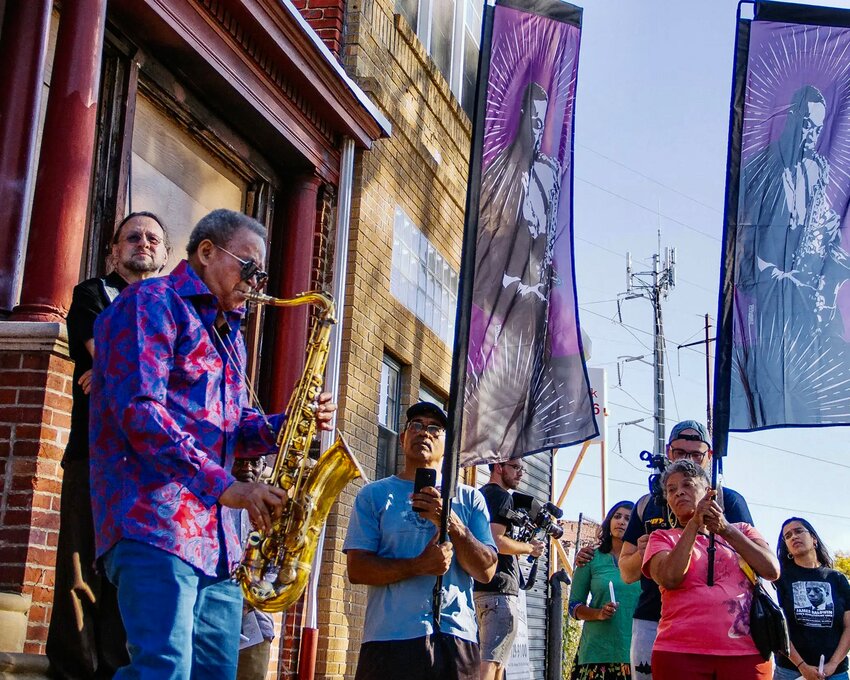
497,625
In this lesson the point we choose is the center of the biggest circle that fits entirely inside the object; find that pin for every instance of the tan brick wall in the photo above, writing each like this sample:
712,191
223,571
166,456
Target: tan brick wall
422,168
35,416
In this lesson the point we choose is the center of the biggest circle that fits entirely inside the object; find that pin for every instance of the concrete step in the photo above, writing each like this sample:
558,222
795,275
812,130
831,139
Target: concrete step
23,667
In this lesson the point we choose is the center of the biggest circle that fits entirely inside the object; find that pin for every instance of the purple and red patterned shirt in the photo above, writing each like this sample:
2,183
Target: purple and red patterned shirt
169,415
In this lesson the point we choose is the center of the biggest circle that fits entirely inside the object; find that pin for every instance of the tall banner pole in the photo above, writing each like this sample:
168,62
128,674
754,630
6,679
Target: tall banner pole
722,375
526,388
519,383
783,354
465,287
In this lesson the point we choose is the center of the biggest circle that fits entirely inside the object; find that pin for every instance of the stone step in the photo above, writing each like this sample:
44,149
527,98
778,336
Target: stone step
23,666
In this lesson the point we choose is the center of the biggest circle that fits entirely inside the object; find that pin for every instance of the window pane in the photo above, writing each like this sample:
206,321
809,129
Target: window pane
175,177
472,18
389,396
409,9
389,416
442,20
421,279
386,455
427,394
470,72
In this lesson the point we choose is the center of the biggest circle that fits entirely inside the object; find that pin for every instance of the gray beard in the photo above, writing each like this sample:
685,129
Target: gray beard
141,267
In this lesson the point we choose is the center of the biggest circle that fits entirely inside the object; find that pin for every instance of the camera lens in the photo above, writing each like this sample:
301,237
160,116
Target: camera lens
555,531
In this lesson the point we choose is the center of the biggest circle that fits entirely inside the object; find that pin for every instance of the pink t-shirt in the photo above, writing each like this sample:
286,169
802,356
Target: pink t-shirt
696,618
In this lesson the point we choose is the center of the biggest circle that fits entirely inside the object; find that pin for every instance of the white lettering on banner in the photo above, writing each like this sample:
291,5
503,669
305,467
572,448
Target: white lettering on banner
599,393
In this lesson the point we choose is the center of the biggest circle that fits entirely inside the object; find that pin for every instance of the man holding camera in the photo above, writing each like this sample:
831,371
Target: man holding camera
392,547
688,439
496,601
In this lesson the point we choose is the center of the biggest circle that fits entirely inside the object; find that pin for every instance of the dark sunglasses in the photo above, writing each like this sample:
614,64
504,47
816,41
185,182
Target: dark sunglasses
250,269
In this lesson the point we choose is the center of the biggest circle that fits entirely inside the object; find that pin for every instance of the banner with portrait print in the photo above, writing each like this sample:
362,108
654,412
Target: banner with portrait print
525,382
784,334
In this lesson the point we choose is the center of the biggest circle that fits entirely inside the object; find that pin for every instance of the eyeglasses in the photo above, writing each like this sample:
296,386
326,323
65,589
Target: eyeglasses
696,456
250,269
516,466
791,533
433,430
136,237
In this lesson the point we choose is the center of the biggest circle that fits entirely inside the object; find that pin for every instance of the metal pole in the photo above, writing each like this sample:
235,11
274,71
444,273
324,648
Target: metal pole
658,362
708,339
573,473
310,631
712,548
578,533
603,452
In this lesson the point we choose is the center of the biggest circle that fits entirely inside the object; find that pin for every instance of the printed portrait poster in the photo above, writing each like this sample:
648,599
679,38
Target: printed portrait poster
791,316
526,384
813,603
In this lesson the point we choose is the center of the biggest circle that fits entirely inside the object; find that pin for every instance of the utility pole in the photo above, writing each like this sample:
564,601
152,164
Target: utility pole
654,285
709,421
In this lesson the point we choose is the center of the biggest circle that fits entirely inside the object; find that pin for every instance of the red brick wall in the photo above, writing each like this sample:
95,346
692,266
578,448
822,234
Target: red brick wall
35,415
326,18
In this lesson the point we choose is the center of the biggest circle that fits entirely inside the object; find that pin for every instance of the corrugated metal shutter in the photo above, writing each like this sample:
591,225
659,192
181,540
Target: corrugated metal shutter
536,482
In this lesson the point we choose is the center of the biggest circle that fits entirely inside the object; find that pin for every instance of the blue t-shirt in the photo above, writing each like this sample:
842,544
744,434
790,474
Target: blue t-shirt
384,522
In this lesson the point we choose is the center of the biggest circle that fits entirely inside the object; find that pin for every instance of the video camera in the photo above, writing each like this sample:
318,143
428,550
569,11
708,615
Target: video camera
655,461
530,520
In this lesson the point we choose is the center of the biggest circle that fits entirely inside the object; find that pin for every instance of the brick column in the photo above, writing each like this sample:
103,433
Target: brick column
22,51
63,185
293,323
35,418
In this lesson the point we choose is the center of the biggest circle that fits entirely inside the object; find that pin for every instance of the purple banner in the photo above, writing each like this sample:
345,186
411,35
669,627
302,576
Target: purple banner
791,310
526,384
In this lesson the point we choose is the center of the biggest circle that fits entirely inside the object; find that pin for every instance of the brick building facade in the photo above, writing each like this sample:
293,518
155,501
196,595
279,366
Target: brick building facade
418,176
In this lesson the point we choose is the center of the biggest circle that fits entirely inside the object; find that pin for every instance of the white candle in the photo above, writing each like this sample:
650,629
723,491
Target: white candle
611,590
820,665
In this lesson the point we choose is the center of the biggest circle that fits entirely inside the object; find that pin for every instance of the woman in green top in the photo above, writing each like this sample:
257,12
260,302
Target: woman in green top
603,653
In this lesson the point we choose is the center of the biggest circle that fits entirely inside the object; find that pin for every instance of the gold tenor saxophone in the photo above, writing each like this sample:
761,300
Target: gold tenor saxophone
275,566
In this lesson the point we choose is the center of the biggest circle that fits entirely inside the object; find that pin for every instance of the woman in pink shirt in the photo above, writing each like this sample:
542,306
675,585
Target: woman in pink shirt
704,632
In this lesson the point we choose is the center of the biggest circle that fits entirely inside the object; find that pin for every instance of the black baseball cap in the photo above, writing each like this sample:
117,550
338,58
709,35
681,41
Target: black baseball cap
427,408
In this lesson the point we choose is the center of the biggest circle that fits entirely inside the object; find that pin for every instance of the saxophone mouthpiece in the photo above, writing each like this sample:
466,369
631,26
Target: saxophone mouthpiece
259,298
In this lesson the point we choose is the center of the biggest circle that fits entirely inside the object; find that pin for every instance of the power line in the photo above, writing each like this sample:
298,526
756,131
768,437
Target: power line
741,439
599,302
789,451
618,323
760,505
607,250
652,179
797,510
650,210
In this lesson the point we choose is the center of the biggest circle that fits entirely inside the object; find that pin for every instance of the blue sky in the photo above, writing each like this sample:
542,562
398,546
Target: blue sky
652,119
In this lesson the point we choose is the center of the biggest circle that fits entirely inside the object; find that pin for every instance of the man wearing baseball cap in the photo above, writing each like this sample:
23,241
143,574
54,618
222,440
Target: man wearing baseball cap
688,439
391,547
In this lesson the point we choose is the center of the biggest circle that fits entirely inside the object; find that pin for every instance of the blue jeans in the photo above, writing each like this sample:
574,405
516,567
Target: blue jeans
181,624
780,673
